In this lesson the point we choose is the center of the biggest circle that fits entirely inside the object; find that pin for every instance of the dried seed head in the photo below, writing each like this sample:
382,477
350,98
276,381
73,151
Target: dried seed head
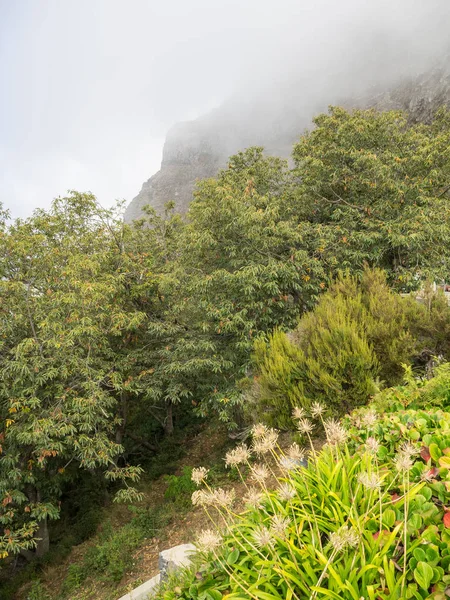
369,418
304,426
208,541
317,409
372,445
200,498
279,526
288,464
335,433
296,453
199,475
369,480
266,443
237,456
254,498
408,449
224,498
259,431
262,537
259,473
286,492
298,413
344,538
403,462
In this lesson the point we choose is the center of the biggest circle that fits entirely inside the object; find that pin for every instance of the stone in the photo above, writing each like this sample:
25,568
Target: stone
144,591
175,558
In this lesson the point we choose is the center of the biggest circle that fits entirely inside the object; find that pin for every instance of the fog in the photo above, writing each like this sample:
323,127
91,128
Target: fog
90,87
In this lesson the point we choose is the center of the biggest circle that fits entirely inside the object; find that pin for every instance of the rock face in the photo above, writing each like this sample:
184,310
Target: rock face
198,149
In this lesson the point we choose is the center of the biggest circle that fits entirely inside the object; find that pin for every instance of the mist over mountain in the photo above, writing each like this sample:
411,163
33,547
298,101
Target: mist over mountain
402,65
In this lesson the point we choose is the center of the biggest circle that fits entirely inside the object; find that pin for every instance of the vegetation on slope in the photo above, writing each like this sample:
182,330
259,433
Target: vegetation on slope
367,517
112,335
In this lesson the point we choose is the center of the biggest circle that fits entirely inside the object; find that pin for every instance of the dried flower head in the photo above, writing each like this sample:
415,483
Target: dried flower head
403,462
237,456
259,431
262,537
199,475
266,443
288,464
208,541
200,498
372,445
298,412
279,526
224,498
254,498
369,480
369,418
335,433
286,492
259,473
343,538
317,409
408,449
296,453
305,426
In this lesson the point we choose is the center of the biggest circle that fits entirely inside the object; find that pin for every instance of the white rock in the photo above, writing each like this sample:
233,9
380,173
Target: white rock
174,558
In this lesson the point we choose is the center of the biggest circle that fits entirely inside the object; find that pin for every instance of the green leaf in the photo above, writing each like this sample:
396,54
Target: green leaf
423,574
435,451
233,557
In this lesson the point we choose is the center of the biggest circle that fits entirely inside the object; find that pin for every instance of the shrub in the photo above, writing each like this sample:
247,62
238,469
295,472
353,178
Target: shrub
357,333
179,487
416,392
361,520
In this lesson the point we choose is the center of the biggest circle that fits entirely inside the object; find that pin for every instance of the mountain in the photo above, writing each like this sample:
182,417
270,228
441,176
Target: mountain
197,149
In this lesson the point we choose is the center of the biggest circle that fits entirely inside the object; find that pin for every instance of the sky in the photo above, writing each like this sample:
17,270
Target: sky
89,88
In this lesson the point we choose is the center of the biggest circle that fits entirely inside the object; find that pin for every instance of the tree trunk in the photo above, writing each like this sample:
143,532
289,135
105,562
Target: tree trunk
43,538
168,426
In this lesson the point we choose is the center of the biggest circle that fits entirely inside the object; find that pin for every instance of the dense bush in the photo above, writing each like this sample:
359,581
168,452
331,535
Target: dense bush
358,338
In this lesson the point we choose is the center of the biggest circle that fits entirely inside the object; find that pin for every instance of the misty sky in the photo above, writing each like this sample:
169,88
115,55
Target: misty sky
90,87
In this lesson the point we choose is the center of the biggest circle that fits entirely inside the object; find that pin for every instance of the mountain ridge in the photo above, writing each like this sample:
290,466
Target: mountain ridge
198,149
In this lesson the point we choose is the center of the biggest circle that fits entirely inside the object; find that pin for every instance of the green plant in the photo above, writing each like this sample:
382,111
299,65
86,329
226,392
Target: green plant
179,487
37,592
361,520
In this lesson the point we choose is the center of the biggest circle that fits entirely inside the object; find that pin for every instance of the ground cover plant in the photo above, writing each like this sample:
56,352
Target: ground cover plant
367,517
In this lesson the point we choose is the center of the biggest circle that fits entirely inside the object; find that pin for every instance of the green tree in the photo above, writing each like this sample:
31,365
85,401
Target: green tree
380,187
63,316
250,263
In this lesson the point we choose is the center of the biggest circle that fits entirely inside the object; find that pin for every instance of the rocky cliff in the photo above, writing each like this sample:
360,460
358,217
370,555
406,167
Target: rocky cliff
198,149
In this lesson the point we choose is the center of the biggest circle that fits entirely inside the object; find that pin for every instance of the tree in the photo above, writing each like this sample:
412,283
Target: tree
249,263
62,316
379,187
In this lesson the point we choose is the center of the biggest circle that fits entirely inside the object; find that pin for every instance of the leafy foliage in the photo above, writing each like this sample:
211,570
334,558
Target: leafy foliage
109,333
359,335
377,185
